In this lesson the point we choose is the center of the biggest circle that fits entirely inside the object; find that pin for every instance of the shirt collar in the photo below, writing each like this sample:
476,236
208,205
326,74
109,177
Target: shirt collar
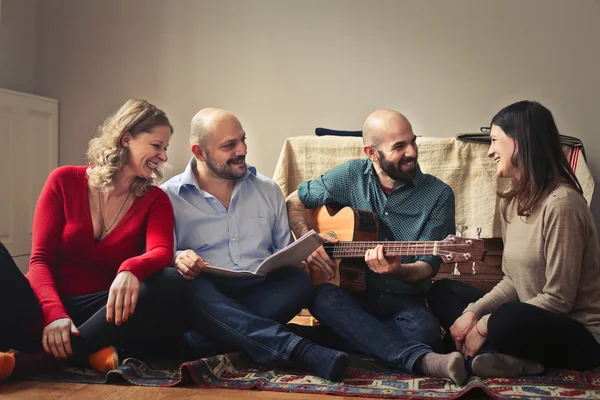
188,178
418,179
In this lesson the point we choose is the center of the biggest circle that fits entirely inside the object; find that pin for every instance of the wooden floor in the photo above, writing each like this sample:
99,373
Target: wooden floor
29,390
26,390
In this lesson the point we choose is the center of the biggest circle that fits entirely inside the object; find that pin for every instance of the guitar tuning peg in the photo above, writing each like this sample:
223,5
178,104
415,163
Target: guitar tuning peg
479,229
460,228
456,271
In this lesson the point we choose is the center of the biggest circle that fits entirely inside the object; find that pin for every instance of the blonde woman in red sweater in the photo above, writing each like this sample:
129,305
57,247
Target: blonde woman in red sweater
546,310
102,237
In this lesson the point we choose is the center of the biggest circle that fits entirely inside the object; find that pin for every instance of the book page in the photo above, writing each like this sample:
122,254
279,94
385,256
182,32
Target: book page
229,273
291,255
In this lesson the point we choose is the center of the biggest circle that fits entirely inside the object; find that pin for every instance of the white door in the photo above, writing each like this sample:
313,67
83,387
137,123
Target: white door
29,140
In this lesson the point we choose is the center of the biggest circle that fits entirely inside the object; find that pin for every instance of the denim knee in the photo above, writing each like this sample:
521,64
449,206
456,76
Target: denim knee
301,286
196,289
324,298
421,325
432,331
326,291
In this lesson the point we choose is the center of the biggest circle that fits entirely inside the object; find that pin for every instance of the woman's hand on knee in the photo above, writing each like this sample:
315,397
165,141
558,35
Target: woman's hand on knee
122,297
56,338
461,328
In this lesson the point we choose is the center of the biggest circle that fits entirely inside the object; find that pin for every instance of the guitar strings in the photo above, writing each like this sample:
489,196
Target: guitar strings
391,243
348,249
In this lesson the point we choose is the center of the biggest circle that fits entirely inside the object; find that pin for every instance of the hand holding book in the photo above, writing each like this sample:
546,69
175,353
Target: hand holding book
291,255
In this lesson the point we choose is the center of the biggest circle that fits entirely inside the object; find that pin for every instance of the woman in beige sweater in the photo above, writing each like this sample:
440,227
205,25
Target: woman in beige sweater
546,310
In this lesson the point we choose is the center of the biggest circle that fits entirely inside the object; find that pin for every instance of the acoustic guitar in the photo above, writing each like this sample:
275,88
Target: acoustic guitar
357,232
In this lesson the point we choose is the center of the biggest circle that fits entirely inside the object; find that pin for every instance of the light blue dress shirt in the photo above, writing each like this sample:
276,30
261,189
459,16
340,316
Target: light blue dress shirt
255,226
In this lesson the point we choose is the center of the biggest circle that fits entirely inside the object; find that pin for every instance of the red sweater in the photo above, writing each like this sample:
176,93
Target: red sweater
65,258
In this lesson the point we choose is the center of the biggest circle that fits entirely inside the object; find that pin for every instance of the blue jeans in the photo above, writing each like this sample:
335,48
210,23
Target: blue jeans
395,329
228,314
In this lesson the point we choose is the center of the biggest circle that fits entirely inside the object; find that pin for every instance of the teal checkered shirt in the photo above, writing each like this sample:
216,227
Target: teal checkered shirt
419,210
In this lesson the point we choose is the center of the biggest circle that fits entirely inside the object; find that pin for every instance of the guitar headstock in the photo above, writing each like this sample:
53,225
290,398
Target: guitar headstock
456,249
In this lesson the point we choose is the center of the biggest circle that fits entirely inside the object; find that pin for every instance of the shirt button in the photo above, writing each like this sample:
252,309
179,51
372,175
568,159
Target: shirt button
386,213
233,239
230,215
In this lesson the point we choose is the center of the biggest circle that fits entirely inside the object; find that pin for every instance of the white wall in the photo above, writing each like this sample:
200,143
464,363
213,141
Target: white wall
285,67
17,44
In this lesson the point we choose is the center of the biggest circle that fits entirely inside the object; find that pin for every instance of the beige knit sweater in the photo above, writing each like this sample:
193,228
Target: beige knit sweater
551,260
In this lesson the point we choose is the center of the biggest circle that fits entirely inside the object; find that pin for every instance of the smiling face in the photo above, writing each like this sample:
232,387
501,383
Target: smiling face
399,160
503,150
391,145
226,149
147,150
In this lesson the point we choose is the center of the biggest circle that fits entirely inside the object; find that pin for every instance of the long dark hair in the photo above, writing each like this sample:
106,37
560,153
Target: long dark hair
539,158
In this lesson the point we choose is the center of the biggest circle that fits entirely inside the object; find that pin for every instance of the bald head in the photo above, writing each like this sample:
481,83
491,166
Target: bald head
383,123
206,122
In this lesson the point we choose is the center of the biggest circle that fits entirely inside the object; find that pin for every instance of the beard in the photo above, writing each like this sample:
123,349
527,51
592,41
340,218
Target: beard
226,170
395,171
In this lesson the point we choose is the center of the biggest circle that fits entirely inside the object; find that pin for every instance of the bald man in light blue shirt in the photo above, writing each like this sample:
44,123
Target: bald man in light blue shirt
237,238
229,216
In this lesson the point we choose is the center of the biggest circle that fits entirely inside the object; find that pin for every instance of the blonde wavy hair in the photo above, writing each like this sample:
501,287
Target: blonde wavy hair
107,155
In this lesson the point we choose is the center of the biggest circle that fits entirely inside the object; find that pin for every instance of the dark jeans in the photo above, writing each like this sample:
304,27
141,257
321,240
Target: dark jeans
520,329
396,329
21,319
227,314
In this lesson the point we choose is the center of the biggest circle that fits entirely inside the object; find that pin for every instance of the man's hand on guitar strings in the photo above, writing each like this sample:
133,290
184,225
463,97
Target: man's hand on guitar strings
378,263
321,259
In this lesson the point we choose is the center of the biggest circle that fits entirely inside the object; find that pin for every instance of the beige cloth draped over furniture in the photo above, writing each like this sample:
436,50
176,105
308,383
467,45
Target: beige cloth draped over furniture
462,165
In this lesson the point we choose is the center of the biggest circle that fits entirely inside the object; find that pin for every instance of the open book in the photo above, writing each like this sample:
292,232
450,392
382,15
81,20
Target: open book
291,255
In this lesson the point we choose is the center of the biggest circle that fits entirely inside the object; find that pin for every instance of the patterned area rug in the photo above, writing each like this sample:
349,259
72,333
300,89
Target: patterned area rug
365,378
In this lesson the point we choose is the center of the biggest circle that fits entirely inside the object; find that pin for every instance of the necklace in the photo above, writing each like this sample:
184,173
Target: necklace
104,228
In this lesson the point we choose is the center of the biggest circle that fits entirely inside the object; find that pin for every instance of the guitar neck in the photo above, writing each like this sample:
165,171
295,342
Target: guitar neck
358,249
